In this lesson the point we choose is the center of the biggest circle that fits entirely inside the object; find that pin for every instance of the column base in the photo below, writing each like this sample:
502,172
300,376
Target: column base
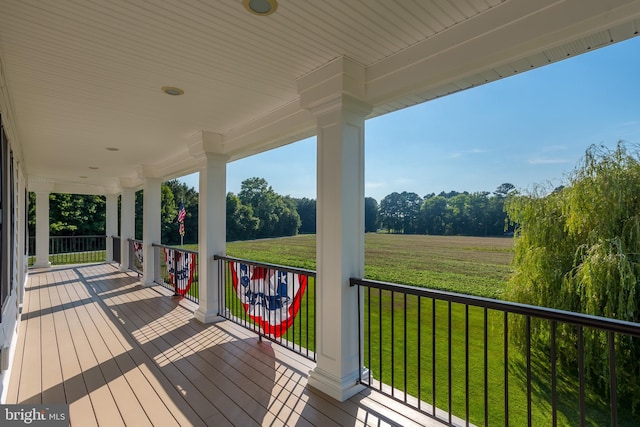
40,264
210,317
339,389
148,284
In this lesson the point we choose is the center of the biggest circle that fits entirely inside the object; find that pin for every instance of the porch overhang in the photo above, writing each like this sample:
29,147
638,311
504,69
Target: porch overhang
79,79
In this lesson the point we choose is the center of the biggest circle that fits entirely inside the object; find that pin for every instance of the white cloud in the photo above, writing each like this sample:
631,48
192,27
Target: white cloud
458,154
373,185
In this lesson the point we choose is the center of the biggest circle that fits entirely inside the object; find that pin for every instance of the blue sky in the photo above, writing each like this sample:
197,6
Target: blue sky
529,129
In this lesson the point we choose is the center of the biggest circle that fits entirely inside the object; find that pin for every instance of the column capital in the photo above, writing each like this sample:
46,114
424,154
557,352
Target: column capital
340,84
203,142
128,183
149,172
40,185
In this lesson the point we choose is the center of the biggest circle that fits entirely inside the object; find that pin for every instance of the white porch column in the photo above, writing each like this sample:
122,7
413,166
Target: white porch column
151,227
111,228
127,224
42,229
212,222
340,222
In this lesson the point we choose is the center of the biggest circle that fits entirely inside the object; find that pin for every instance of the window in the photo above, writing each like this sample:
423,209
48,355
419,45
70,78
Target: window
4,262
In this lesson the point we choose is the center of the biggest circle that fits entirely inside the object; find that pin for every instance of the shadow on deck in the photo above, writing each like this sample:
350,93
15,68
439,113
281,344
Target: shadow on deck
122,354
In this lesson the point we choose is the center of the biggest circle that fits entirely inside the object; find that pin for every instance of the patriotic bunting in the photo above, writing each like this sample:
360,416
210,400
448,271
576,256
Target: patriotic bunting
181,267
270,297
138,251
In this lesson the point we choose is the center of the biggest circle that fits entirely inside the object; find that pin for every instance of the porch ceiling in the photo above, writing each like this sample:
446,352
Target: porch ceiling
79,76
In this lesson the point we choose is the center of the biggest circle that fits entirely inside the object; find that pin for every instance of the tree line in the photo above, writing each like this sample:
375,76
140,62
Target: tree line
447,213
257,211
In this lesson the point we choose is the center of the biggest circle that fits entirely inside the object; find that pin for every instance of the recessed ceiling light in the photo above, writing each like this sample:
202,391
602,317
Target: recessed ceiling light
260,7
173,91
83,177
94,167
112,149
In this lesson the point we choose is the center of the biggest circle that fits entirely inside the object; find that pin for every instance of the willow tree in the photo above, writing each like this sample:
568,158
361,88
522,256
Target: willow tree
578,249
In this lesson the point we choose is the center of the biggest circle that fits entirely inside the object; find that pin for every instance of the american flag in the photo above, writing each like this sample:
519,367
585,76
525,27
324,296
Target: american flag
182,213
181,229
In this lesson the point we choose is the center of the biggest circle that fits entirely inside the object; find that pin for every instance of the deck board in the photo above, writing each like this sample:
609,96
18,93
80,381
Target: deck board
123,354
28,391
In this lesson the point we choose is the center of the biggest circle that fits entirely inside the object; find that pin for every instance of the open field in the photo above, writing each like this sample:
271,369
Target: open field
470,265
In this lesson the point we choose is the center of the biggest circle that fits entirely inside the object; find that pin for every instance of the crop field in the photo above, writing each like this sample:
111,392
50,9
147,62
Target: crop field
471,265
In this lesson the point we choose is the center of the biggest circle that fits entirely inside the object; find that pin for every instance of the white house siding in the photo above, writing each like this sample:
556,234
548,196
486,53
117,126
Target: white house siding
14,221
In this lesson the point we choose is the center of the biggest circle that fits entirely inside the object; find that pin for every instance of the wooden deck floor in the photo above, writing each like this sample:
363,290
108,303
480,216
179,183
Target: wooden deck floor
122,354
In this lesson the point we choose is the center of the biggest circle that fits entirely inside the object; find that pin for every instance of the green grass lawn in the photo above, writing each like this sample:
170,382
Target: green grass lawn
470,265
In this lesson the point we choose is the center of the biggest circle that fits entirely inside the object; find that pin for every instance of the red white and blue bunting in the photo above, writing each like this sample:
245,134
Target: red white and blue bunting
138,251
181,267
270,297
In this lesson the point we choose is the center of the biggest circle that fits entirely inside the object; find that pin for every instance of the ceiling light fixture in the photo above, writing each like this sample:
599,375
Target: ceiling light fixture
173,91
94,167
112,149
260,7
83,177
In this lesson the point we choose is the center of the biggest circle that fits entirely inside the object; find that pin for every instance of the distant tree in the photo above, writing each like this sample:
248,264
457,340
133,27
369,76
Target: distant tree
288,222
433,216
391,212
450,194
503,193
31,222
76,215
411,212
306,209
478,214
139,211
277,215
400,212
241,223
504,189
169,211
370,215
578,249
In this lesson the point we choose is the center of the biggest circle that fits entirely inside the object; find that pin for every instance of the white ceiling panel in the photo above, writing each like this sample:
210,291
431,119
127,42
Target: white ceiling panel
85,75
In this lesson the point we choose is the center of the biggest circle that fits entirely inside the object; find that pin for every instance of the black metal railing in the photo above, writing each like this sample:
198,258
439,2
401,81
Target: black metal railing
469,360
116,250
72,249
177,269
136,256
276,302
